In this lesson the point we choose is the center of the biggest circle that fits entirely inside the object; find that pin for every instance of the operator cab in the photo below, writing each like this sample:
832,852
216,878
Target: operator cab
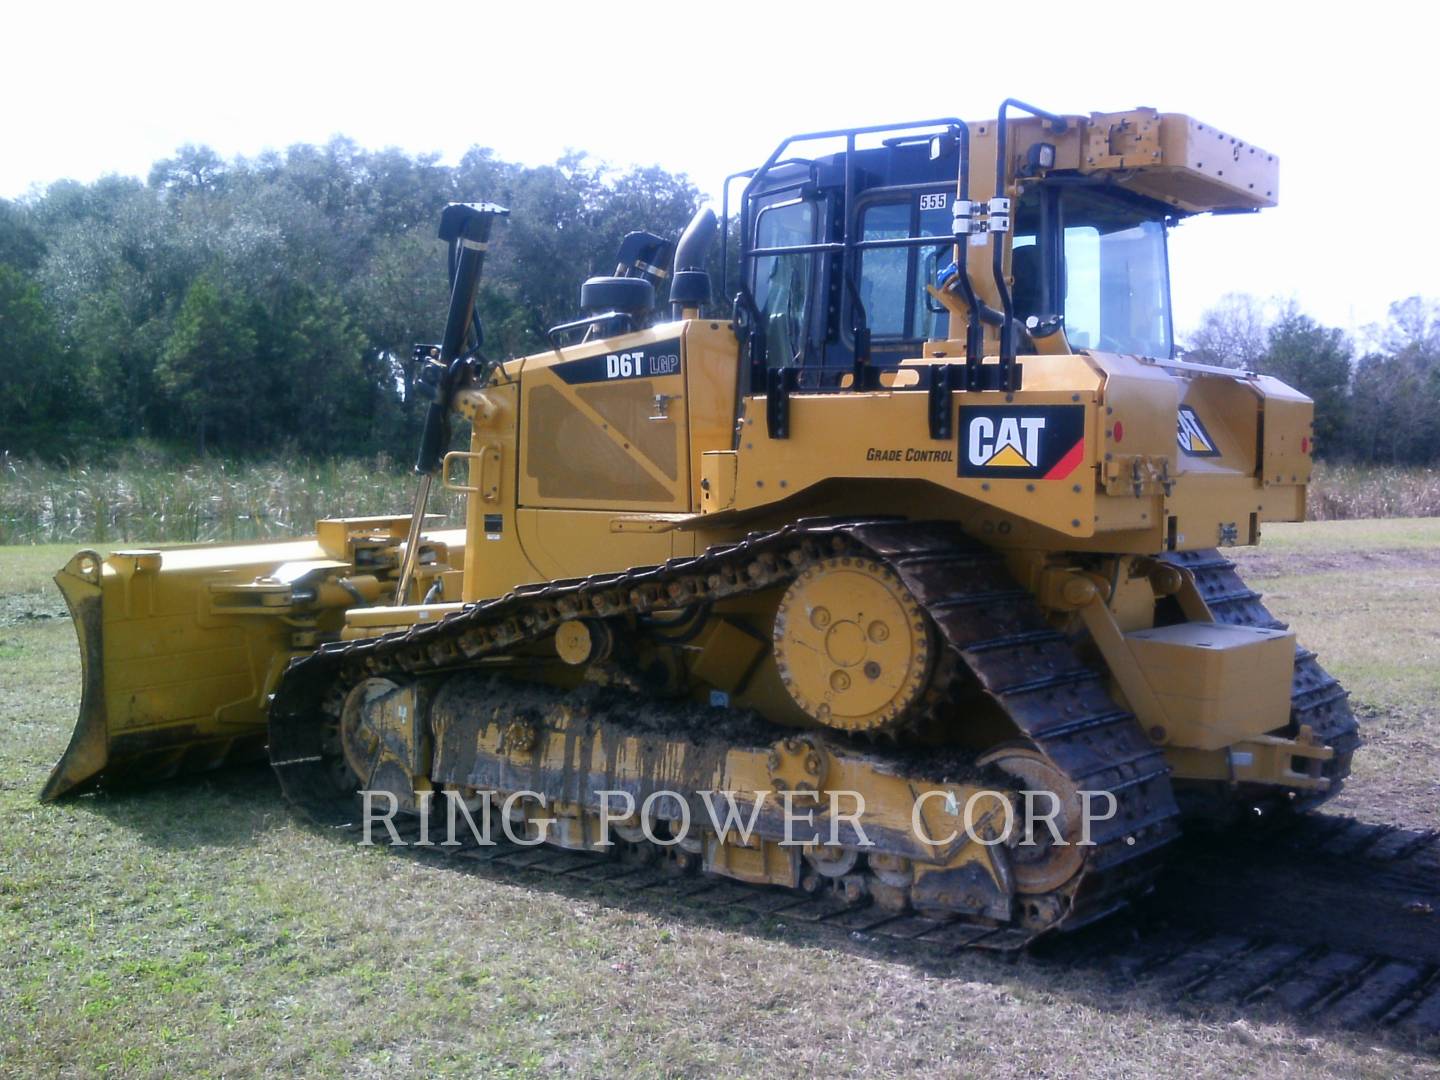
807,301
844,249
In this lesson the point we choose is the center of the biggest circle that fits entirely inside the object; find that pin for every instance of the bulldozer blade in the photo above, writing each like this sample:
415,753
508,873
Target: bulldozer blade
171,683
85,757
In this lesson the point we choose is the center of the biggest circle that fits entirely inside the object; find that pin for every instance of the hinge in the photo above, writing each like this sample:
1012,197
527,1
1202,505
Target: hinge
944,380
779,384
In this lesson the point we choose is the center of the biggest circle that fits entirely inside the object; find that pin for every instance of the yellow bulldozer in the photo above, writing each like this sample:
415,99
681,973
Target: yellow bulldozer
932,518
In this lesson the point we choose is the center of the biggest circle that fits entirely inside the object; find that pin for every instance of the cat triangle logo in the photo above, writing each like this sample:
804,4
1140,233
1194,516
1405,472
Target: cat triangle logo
1194,439
1011,457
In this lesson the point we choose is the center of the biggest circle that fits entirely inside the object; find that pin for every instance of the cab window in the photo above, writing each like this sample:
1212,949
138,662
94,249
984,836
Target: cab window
885,272
782,282
1117,294
892,280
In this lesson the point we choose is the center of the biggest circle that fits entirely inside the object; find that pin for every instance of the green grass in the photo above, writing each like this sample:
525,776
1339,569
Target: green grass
29,569
26,590
1391,534
198,929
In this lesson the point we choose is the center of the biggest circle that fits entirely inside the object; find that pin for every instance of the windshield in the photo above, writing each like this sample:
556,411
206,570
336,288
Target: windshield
1114,278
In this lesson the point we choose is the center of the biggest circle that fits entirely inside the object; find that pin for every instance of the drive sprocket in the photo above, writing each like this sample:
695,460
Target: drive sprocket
853,648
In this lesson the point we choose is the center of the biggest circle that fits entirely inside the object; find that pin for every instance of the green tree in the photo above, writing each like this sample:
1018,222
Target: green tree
1395,399
321,396
193,168
1316,361
205,367
21,243
311,270
32,367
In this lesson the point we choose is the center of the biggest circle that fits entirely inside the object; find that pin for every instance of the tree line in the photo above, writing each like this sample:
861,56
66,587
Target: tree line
268,305
1378,403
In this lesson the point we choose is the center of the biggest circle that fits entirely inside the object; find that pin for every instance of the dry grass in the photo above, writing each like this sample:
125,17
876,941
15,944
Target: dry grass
198,929
149,499
1338,492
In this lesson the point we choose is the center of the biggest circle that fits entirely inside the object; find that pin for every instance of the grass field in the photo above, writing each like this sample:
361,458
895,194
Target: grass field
199,929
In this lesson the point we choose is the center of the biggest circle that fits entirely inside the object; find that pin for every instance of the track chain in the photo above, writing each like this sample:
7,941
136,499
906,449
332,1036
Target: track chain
1027,668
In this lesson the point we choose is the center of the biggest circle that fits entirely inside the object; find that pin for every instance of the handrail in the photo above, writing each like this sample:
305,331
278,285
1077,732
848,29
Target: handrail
848,245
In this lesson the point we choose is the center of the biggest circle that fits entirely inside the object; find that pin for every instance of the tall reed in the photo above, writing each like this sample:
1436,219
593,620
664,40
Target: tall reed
139,499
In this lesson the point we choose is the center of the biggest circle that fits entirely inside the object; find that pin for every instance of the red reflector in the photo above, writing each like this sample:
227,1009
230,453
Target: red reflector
1304,444
1119,431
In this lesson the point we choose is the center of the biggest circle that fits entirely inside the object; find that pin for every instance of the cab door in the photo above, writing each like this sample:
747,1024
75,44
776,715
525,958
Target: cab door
899,311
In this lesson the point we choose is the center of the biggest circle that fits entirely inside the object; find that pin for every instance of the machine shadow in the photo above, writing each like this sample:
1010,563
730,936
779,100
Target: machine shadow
229,807
1187,949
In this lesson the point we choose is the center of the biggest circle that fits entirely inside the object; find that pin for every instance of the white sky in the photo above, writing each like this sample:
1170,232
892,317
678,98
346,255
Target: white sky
1344,94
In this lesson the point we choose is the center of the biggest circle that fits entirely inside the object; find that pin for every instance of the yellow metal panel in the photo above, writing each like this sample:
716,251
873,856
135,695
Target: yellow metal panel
711,361
1138,432
169,678
494,561
373,619
1180,161
1228,410
572,543
632,410
886,435
1215,683
1214,510
1288,434
717,480
223,650
1248,175
1283,503
335,535
606,442
217,697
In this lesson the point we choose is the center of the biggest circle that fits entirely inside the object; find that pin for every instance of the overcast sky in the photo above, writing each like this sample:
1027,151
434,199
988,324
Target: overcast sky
1345,95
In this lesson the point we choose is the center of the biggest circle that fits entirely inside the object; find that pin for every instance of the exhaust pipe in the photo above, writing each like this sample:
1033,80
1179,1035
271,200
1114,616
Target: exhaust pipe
690,285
